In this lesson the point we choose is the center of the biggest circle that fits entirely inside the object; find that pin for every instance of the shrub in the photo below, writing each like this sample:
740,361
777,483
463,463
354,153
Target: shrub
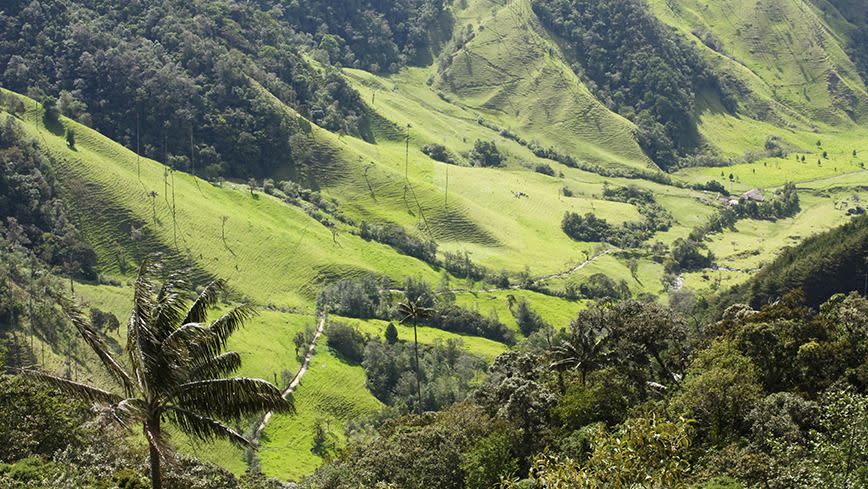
545,169
346,340
485,154
438,152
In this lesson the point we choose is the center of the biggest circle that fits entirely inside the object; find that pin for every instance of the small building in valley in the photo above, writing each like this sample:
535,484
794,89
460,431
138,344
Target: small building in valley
755,195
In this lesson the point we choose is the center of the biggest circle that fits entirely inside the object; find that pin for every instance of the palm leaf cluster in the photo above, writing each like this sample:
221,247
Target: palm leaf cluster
175,368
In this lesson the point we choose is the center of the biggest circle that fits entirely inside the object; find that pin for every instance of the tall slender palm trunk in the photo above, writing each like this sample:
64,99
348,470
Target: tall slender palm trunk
418,373
153,427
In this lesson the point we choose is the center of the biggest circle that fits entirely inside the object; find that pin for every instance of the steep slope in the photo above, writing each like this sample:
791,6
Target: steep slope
823,265
789,65
506,66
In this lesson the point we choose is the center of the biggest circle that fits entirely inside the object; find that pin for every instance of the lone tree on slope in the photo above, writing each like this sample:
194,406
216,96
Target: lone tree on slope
412,311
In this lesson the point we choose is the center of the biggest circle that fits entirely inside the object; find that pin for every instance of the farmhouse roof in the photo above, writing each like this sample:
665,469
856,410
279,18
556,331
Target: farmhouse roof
753,194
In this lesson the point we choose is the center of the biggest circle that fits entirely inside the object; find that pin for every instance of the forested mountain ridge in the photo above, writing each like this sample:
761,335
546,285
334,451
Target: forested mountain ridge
473,199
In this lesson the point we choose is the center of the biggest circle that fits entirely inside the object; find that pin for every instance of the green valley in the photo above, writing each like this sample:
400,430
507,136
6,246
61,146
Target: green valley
490,241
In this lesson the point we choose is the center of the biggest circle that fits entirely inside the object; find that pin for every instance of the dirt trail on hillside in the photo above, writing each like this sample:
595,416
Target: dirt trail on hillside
295,380
572,270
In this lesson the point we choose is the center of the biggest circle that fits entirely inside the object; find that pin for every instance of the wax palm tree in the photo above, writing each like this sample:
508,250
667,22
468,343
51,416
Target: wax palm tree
584,349
412,311
175,368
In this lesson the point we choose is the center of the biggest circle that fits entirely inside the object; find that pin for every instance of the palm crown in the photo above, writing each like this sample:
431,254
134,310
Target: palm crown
176,368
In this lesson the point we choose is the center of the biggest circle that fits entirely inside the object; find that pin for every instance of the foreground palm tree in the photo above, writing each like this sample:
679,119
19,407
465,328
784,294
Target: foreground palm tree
175,369
412,311
584,349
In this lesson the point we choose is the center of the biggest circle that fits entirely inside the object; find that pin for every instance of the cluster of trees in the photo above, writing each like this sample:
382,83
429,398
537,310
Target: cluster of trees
312,201
598,286
630,394
638,67
178,81
369,297
438,152
32,215
396,237
630,234
528,320
485,154
688,254
446,370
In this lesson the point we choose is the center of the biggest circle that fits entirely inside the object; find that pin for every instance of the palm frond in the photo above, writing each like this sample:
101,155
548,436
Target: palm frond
81,391
207,299
170,307
186,339
203,427
231,398
127,412
222,328
139,334
99,347
412,310
218,366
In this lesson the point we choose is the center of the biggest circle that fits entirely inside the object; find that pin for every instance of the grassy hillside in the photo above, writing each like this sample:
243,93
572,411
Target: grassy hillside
790,62
513,73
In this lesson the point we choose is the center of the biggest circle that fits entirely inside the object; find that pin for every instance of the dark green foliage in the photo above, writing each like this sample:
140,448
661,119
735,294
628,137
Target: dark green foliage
586,228
712,186
70,138
457,320
346,340
32,214
154,75
528,320
367,298
459,264
628,235
599,286
419,292
104,321
422,454
34,420
447,372
352,298
545,169
687,255
485,154
438,152
373,35
398,238
638,67
391,334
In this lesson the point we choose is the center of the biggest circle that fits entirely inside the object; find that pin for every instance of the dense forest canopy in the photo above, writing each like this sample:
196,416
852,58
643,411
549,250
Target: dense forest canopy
374,35
107,63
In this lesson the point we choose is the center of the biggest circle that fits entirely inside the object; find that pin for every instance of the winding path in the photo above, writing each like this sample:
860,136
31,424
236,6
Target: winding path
296,381
574,269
